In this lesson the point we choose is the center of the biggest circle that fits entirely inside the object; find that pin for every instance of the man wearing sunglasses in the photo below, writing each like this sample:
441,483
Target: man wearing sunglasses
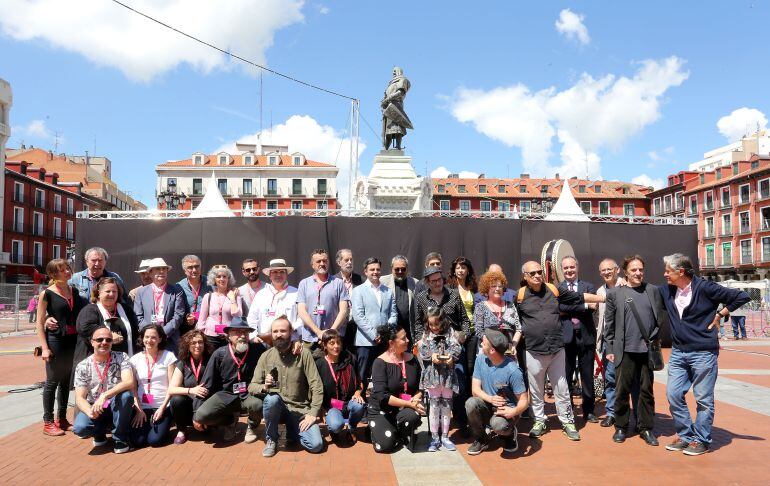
538,306
403,287
250,270
103,384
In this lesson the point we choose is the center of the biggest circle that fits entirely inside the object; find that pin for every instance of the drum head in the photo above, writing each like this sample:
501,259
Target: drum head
550,259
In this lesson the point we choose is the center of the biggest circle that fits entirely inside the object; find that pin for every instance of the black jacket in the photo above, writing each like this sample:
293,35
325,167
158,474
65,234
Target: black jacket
615,318
587,336
335,389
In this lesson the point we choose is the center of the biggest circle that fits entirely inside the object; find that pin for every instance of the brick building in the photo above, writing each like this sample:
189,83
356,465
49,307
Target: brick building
732,205
268,177
669,201
527,195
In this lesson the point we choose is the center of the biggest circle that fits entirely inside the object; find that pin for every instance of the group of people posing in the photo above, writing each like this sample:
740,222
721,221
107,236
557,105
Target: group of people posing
343,348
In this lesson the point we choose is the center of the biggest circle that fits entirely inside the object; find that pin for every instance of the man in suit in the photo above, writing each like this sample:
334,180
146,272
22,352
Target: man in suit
161,303
629,310
344,260
402,286
373,306
579,336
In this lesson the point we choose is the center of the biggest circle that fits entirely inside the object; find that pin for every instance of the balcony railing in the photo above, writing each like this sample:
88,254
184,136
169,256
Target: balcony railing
57,208
746,260
17,227
708,207
274,192
725,205
247,191
708,234
40,203
744,230
38,231
297,192
321,192
708,263
726,233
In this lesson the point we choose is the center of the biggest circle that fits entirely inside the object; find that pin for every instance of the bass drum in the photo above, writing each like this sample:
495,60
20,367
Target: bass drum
550,260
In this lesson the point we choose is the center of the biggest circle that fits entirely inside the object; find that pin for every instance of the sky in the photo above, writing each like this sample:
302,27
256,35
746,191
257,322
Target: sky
628,91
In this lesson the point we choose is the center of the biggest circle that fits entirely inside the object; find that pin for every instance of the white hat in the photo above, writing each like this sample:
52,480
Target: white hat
143,266
157,263
277,264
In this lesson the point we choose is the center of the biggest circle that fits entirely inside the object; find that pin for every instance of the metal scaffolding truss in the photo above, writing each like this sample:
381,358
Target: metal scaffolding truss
354,213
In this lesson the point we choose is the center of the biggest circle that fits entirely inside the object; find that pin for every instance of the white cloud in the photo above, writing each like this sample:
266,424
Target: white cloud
591,115
571,25
110,35
658,155
741,122
321,143
646,180
466,174
36,130
323,9
440,172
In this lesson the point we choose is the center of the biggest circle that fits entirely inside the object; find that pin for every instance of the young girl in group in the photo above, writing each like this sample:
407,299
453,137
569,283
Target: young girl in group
439,350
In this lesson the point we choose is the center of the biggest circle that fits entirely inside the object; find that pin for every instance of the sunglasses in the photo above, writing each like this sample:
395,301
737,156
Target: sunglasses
534,272
102,340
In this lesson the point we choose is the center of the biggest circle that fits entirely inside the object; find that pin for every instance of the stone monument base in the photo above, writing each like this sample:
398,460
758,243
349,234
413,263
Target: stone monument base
393,184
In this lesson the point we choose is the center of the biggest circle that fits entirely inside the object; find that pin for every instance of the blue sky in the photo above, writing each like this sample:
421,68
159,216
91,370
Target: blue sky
634,89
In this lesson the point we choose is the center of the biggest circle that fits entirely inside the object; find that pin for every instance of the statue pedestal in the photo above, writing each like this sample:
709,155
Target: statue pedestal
393,184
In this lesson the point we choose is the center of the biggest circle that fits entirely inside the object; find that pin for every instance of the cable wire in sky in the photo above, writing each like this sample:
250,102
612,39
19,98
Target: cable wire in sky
235,56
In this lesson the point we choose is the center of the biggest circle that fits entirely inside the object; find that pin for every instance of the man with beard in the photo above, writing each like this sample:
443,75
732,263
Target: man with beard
294,392
250,270
276,299
227,375
344,259
322,302
402,286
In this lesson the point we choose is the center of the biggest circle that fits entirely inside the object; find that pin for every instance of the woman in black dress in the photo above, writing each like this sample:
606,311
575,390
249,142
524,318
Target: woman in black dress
106,311
58,307
185,387
395,404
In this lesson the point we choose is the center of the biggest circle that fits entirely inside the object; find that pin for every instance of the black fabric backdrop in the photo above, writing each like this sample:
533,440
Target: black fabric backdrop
506,242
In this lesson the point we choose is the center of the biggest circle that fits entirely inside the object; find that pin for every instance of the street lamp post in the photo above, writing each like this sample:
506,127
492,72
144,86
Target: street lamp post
171,198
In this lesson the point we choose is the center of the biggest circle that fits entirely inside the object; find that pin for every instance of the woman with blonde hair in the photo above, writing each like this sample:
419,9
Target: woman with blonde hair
219,306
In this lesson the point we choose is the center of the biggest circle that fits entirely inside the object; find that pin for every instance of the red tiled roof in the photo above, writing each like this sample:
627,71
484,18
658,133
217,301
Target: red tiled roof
609,189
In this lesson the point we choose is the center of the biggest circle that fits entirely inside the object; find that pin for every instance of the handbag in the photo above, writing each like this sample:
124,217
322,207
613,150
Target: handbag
654,353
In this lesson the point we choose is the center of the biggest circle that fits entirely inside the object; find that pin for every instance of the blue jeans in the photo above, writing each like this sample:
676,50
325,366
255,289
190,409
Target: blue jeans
115,418
274,410
739,323
151,434
609,389
335,420
699,370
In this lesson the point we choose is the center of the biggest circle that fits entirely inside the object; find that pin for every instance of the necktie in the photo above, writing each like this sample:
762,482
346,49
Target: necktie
575,320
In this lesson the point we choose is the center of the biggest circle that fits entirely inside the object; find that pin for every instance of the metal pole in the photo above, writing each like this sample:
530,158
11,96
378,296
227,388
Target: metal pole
18,308
356,132
350,156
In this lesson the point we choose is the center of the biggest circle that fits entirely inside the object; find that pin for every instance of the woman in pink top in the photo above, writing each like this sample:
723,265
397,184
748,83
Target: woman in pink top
219,306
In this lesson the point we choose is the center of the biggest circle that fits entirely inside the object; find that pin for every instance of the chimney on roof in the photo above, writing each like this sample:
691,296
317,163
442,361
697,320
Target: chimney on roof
557,176
23,167
41,174
453,176
23,147
523,176
55,179
50,155
482,175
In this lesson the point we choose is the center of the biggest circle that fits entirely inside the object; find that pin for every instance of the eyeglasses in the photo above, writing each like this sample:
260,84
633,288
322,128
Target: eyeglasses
220,267
102,340
534,273
196,343
496,286
251,270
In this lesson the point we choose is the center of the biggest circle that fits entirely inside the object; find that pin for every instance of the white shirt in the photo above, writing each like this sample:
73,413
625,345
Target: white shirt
247,293
158,381
682,298
269,304
377,291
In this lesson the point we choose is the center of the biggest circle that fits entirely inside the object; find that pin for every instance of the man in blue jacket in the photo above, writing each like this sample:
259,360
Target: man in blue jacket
695,306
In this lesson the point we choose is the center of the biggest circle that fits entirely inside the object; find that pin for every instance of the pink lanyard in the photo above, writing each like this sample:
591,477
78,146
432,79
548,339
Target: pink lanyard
102,379
319,287
402,365
157,296
334,375
195,295
196,371
149,369
238,364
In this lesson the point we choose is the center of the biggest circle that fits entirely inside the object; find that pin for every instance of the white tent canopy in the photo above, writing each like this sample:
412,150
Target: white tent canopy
566,208
213,205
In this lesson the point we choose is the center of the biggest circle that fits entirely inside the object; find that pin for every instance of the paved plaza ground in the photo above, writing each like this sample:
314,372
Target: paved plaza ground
740,455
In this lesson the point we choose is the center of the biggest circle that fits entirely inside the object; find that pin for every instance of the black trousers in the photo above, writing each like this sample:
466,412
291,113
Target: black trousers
583,357
58,372
390,430
182,410
633,367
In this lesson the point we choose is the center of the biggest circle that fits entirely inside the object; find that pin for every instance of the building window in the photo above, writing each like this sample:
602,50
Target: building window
296,204
702,178
486,205
744,192
708,203
766,249
628,209
296,187
39,198
727,225
465,205
597,188
197,187
272,187
18,192
764,188
709,255
17,251
57,203
764,216
667,204
297,160
70,206
679,200
321,187
440,188
582,189
522,189
585,206
735,168
247,205
525,206
86,207
222,186
37,253
708,227
503,206
656,206
248,160
272,205
18,220
56,252
56,228
745,222
693,205
482,189
746,252
727,254
272,160
443,205
501,189
321,205
754,164
604,207
198,160
461,189
37,224
725,197
223,160
70,231
247,188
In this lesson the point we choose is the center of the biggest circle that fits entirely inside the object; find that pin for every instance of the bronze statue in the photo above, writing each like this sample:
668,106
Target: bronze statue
394,119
